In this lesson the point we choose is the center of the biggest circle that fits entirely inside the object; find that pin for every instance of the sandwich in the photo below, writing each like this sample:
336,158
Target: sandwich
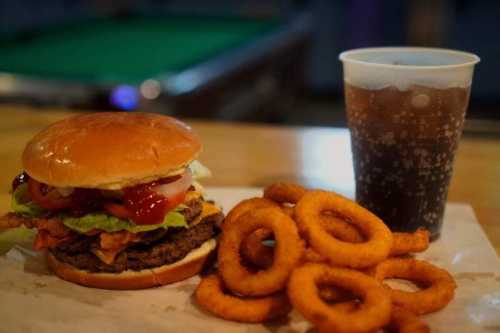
115,201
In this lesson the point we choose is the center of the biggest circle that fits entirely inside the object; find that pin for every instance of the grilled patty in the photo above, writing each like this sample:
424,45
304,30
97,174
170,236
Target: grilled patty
160,247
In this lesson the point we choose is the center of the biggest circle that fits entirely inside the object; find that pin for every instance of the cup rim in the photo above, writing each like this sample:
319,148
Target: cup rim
344,57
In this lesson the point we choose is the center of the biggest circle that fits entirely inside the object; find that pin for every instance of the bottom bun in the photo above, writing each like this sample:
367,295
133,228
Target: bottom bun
189,266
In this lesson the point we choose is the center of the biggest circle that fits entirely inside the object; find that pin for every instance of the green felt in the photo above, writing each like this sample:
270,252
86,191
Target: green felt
128,50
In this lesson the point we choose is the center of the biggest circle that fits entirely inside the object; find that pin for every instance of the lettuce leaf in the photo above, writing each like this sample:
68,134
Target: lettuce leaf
199,170
111,223
22,205
11,237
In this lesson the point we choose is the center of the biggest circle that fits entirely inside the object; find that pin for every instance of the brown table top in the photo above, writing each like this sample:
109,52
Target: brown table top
256,155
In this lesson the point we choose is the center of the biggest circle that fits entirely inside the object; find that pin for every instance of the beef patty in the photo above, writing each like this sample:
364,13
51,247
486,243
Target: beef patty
165,247
193,209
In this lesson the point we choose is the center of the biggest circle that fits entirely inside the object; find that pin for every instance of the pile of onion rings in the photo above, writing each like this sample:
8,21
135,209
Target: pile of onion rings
327,257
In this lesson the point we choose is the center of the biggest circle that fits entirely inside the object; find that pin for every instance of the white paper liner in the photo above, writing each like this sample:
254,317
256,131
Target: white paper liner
33,300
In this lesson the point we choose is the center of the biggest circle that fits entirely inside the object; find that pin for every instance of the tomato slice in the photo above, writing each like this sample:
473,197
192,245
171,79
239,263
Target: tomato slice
174,201
46,196
118,210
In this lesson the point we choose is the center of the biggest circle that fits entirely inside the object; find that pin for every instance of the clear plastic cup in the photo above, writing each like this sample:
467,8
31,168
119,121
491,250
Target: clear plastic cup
406,108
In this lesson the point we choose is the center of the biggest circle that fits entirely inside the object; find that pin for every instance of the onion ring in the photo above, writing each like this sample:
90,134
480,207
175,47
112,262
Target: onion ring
312,256
404,243
404,321
440,290
288,210
373,312
308,212
282,192
252,249
210,294
261,255
255,252
335,295
287,252
341,229
246,206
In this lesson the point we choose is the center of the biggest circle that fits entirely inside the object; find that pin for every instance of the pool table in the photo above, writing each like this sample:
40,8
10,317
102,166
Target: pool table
187,65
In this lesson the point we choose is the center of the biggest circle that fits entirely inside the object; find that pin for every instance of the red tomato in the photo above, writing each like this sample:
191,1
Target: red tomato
47,197
118,210
174,201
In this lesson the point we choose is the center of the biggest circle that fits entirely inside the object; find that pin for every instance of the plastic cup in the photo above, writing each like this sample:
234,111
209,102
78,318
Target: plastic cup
405,109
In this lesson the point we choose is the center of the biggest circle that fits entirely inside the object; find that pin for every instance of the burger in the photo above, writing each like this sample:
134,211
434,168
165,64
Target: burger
115,201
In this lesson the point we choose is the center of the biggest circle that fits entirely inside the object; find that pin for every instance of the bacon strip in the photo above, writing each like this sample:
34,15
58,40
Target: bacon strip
10,220
113,243
117,239
51,232
44,240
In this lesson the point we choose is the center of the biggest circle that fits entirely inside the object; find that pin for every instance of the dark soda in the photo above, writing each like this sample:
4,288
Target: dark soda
403,144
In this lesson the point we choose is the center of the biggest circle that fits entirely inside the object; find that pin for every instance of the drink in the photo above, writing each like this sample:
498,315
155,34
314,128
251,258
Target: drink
404,143
406,110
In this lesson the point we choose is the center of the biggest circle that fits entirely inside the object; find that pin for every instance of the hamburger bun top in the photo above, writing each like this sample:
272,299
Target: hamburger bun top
110,150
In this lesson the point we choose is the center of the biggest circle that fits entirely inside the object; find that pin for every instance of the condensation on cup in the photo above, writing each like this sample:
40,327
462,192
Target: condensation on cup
406,109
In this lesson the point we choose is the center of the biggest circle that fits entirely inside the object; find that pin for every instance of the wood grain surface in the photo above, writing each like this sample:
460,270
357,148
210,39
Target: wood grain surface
256,155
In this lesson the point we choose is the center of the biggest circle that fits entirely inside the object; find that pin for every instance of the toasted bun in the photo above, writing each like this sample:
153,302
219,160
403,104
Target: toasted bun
191,265
110,150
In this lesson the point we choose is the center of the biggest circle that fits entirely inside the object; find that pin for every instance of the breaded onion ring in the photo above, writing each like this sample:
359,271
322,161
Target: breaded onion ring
210,294
283,192
287,252
261,255
372,313
255,252
309,213
440,290
288,210
404,321
341,229
312,256
335,295
246,206
404,243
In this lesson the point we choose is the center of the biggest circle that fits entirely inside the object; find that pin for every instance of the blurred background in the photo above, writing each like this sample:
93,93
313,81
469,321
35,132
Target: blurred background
273,61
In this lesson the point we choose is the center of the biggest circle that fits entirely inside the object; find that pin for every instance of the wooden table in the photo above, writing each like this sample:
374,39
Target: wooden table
256,155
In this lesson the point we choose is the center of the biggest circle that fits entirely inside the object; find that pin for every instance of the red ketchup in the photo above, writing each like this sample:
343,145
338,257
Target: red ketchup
146,205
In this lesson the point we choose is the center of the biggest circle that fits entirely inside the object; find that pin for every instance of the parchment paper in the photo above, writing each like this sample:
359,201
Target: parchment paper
33,300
